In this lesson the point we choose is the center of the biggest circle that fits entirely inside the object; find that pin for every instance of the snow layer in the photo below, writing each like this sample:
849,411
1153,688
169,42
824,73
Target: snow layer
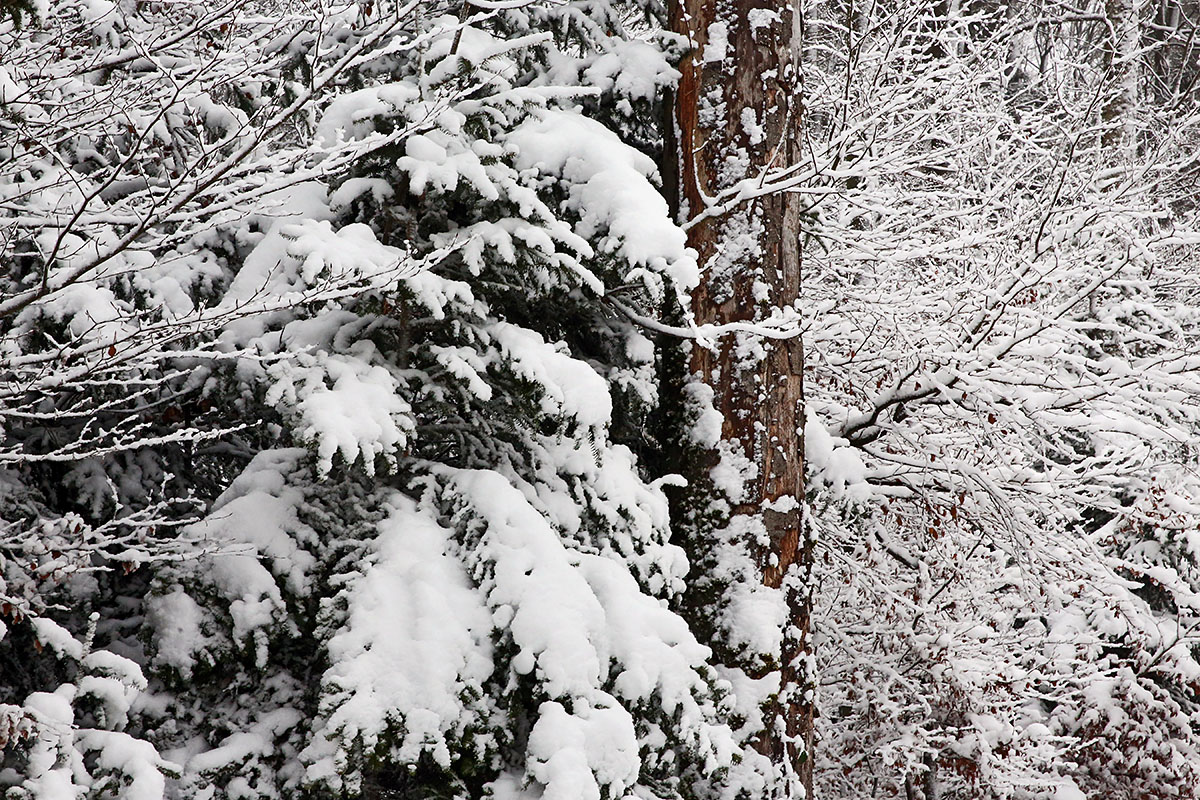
414,648
569,386
610,191
253,522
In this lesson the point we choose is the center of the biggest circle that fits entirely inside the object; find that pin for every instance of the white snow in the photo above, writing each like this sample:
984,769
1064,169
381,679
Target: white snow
574,755
716,45
253,522
176,621
610,189
831,461
58,638
416,643
632,69
569,386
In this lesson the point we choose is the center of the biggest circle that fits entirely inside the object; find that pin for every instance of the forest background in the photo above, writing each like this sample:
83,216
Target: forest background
596,399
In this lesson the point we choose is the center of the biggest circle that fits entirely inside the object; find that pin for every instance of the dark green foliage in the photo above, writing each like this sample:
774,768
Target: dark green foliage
19,11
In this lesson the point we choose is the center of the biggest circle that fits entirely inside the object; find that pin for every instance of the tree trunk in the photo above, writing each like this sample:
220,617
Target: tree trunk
1119,112
738,113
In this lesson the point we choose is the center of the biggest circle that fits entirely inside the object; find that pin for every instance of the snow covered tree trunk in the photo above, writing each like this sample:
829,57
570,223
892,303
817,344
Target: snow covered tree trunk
1119,111
737,122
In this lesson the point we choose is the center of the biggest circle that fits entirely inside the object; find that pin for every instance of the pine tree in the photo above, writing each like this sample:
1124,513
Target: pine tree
357,411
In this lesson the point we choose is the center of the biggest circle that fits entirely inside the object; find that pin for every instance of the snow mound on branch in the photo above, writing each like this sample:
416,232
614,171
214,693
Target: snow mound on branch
57,638
833,462
302,259
297,256
177,622
569,386
136,759
632,69
534,590
574,754
67,760
239,754
415,646
605,480
352,116
431,163
610,190
344,405
256,520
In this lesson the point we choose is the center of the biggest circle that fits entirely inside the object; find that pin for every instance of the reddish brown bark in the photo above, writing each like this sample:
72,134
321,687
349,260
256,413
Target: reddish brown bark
737,113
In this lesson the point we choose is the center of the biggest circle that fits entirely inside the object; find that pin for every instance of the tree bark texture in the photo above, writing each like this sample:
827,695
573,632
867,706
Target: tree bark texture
737,116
